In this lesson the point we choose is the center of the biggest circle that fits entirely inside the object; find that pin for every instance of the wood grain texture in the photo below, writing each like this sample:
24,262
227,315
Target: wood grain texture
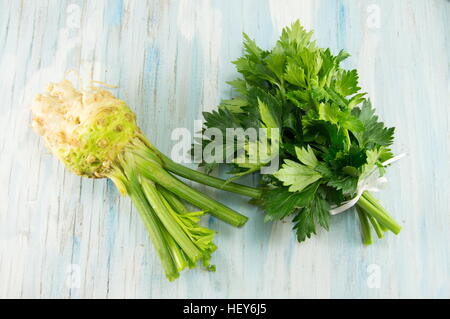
66,237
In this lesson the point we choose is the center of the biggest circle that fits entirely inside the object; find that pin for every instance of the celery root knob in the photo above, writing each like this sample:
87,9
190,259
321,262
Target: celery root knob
85,129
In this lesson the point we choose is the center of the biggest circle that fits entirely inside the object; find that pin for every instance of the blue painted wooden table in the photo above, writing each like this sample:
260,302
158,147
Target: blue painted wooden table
66,237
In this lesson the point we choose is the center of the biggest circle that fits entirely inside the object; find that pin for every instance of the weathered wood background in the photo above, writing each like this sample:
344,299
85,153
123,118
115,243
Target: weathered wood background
66,237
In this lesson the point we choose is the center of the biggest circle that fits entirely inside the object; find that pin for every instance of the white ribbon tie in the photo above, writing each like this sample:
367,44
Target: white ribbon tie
372,183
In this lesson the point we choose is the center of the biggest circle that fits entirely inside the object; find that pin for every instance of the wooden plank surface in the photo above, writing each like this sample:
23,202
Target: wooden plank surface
66,237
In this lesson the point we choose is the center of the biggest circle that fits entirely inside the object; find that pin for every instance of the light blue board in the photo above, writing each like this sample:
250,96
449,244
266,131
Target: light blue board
64,237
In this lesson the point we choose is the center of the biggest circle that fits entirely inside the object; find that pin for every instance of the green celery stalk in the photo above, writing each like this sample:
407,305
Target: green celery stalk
366,233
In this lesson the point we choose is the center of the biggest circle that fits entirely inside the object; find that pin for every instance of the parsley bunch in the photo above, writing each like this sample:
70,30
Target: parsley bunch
330,139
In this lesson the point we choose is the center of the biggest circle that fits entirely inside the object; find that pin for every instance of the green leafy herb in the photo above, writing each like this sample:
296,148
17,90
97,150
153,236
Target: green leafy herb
331,140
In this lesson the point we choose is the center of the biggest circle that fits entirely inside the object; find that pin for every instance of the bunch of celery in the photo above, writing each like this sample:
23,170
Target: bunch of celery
332,146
